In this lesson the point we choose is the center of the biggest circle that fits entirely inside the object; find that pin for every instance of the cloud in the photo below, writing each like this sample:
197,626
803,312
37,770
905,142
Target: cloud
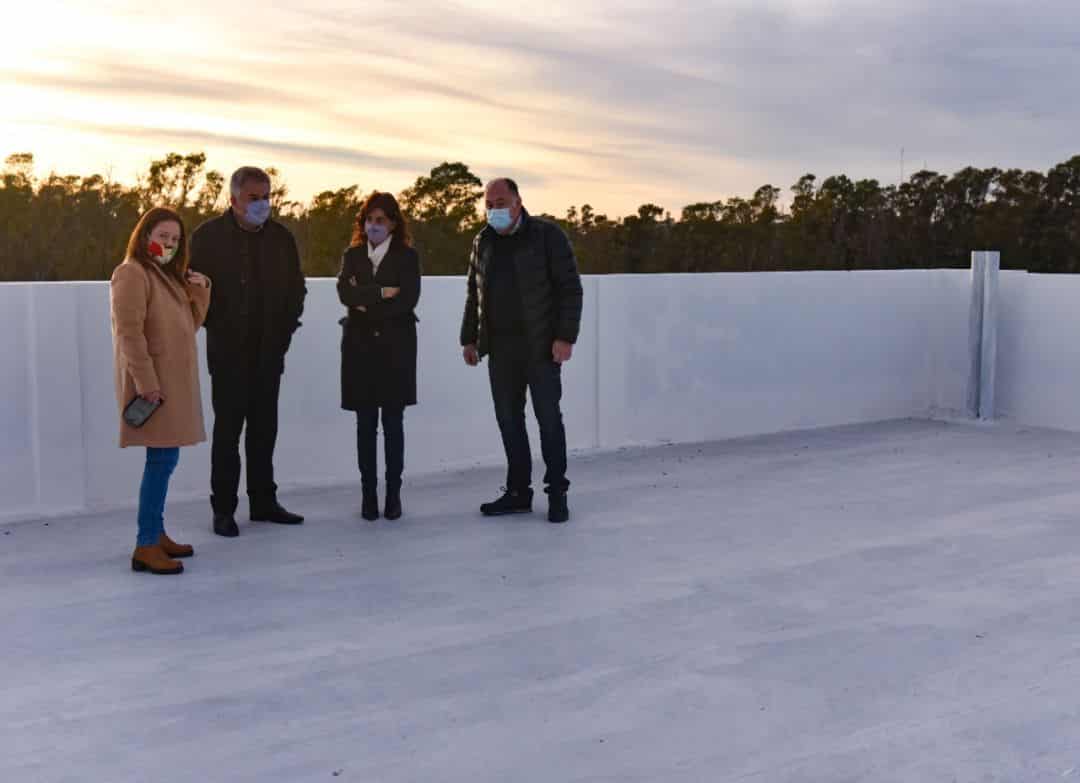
611,100
323,153
106,77
792,82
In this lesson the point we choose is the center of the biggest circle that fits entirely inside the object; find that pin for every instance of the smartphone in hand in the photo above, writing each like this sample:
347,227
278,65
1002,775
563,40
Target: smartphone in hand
139,411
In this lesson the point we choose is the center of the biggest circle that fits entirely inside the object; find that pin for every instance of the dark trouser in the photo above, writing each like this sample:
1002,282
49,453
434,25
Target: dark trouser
513,370
240,400
367,426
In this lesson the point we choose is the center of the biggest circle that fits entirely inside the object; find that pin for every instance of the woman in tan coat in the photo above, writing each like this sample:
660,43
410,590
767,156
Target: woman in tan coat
157,305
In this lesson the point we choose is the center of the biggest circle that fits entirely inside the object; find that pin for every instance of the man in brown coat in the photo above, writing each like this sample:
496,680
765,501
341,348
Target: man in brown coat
257,301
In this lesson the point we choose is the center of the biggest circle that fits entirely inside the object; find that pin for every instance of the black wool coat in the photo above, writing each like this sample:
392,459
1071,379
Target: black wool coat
378,347
219,251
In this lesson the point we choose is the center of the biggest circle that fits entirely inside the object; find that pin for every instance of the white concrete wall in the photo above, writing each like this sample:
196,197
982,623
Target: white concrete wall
1038,368
18,460
661,358
945,312
716,356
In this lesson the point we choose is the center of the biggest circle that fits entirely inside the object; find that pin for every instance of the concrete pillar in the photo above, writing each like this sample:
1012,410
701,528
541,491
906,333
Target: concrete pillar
982,334
988,358
975,329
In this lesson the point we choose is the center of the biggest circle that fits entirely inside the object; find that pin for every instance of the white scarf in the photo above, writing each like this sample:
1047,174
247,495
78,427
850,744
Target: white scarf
377,254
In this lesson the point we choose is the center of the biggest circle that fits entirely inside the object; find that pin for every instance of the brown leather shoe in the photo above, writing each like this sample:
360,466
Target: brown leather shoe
173,549
154,560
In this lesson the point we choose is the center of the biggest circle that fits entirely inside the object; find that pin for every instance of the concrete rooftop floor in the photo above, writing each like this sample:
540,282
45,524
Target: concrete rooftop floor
895,602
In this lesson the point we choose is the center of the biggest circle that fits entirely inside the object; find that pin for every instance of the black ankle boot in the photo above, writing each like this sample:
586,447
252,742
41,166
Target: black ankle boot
225,525
558,511
392,509
511,502
274,512
370,508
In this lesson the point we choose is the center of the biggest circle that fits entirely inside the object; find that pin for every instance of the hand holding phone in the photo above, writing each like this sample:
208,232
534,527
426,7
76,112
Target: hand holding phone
140,409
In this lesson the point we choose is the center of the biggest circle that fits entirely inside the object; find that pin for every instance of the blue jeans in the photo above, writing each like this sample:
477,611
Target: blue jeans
160,464
513,370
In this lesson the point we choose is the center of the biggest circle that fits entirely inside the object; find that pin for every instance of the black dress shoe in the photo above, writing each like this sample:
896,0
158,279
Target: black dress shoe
225,525
512,502
392,510
369,508
275,514
558,512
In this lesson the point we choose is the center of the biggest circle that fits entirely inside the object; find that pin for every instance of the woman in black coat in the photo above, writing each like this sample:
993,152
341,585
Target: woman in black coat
379,283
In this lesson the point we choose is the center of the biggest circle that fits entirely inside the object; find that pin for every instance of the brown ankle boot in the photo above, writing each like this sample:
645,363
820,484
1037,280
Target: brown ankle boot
154,560
173,549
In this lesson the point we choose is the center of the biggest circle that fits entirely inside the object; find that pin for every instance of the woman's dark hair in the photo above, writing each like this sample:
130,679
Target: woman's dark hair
388,204
138,247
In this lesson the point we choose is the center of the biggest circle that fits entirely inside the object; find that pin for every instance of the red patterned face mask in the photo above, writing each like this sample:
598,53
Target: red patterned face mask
162,255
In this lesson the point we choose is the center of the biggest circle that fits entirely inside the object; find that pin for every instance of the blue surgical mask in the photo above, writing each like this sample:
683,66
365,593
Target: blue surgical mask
499,219
257,212
376,232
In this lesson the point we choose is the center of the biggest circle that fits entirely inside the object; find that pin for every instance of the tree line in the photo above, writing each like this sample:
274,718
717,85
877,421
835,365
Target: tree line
73,227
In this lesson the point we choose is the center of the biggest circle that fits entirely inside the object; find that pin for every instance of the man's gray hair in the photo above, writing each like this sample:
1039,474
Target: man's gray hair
246,174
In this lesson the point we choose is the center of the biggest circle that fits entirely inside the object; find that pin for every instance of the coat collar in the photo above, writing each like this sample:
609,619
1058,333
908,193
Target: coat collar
175,288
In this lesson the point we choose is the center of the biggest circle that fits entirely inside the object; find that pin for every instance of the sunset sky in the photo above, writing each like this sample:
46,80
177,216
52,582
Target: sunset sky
611,102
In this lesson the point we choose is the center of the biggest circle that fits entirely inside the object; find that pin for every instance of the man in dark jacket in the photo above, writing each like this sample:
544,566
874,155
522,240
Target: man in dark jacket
257,298
523,311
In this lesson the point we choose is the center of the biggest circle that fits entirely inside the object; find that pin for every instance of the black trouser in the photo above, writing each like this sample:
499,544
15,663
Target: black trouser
241,399
367,427
513,369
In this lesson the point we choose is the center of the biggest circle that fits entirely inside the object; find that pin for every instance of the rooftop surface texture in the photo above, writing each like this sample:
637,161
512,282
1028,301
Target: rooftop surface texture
891,602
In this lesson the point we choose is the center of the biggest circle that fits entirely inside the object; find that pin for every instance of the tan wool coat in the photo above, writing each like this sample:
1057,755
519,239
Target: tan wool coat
154,321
